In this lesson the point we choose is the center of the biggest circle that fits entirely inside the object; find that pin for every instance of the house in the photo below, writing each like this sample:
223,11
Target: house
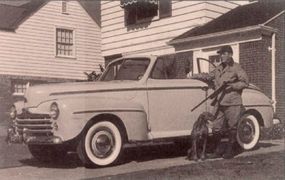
145,26
46,41
256,33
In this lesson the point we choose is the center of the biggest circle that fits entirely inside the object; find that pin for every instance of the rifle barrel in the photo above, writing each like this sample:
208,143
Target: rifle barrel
211,96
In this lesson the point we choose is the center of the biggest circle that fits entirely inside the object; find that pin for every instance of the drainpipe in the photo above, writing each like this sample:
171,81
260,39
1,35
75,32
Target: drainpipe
273,67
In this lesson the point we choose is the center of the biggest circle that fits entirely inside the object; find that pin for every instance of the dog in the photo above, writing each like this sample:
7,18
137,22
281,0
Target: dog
199,136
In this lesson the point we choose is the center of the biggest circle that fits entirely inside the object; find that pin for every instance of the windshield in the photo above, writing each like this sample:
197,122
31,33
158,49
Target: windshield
126,69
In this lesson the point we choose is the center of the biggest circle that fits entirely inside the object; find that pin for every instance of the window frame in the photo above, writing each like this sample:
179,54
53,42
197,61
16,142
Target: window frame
73,56
22,83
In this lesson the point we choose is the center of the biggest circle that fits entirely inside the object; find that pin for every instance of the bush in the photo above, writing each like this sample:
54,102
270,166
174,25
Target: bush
276,132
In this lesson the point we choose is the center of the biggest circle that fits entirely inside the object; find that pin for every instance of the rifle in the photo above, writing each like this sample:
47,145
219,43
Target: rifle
211,96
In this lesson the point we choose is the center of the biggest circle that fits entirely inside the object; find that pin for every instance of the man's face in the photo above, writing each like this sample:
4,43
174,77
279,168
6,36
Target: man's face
225,57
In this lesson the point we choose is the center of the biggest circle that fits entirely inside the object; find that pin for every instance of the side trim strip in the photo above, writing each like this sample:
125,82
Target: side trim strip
126,89
260,105
115,110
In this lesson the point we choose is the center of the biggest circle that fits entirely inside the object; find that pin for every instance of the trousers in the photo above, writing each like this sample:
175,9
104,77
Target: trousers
227,118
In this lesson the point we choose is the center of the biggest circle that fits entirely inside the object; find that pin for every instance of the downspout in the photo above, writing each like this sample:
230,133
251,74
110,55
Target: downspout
273,67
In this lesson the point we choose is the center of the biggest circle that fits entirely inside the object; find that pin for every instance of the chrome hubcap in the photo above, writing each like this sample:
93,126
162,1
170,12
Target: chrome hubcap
246,131
102,144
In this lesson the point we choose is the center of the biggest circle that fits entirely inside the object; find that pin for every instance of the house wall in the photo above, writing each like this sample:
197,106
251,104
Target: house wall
28,54
151,37
255,58
30,50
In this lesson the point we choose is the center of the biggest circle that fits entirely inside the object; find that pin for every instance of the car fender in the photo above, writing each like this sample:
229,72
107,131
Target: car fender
75,113
258,104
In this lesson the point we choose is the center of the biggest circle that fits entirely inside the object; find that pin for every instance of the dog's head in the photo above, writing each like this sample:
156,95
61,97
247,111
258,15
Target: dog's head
207,117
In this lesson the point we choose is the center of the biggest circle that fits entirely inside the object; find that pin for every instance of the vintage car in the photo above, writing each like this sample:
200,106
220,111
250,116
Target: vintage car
135,100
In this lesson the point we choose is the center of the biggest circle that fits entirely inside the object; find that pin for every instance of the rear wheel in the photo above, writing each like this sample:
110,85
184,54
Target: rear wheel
101,145
48,153
248,132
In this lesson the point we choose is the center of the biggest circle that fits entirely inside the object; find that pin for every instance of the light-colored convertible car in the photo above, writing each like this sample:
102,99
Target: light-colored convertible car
137,99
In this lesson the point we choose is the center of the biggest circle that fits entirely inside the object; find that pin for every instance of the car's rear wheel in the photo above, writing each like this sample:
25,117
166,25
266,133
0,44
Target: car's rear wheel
48,153
101,144
248,132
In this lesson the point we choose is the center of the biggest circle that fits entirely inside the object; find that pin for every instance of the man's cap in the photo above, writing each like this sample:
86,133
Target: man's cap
226,48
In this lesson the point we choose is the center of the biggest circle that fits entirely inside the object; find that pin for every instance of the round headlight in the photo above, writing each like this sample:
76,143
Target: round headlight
13,112
54,111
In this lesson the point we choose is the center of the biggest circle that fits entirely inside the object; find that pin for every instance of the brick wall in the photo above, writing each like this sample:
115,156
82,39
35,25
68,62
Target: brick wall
256,61
255,58
6,97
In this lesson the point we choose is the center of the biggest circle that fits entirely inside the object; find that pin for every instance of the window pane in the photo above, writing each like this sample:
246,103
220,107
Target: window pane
64,42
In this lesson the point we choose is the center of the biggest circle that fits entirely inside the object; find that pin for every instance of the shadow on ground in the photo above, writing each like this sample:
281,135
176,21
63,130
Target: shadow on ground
138,154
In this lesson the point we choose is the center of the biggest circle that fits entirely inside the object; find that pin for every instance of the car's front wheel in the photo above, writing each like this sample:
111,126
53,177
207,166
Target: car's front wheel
48,153
248,132
101,144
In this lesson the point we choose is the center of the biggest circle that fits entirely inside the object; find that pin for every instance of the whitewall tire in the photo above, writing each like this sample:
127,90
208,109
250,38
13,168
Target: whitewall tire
101,144
248,132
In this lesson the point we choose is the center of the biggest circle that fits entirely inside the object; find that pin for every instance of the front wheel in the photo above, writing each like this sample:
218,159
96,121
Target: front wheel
248,132
101,145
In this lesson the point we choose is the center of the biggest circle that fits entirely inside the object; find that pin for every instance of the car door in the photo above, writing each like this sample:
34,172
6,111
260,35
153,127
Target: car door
170,102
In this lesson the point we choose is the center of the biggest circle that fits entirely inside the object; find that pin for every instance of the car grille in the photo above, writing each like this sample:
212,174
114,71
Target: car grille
34,124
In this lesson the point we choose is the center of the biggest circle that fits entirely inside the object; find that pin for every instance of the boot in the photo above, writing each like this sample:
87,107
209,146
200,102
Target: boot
217,146
229,154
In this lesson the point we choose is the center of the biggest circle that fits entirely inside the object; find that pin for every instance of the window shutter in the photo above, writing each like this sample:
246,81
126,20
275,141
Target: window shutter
165,8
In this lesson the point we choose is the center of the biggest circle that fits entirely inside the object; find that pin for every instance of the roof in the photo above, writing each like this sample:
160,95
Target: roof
93,8
13,13
240,17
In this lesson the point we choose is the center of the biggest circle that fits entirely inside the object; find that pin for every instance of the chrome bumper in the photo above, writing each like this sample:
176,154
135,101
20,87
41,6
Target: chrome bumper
14,136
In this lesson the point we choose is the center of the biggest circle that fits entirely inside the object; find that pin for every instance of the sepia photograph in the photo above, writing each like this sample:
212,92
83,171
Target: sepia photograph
142,89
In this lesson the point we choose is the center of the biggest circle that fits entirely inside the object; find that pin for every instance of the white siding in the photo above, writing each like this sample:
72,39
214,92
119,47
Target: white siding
151,38
30,51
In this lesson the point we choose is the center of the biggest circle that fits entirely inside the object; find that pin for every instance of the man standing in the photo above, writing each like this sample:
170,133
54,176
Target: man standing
228,104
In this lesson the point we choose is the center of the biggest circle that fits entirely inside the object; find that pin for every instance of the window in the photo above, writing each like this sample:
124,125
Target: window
172,66
19,88
143,11
215,59
126,69
64,42
64,7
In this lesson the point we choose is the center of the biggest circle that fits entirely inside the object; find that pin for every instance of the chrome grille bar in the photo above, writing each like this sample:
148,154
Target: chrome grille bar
35,126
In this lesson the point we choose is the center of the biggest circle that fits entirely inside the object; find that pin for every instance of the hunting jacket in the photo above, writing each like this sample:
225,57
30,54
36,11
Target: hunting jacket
234,76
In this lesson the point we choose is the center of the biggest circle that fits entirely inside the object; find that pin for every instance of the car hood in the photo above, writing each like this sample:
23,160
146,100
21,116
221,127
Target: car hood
41,93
